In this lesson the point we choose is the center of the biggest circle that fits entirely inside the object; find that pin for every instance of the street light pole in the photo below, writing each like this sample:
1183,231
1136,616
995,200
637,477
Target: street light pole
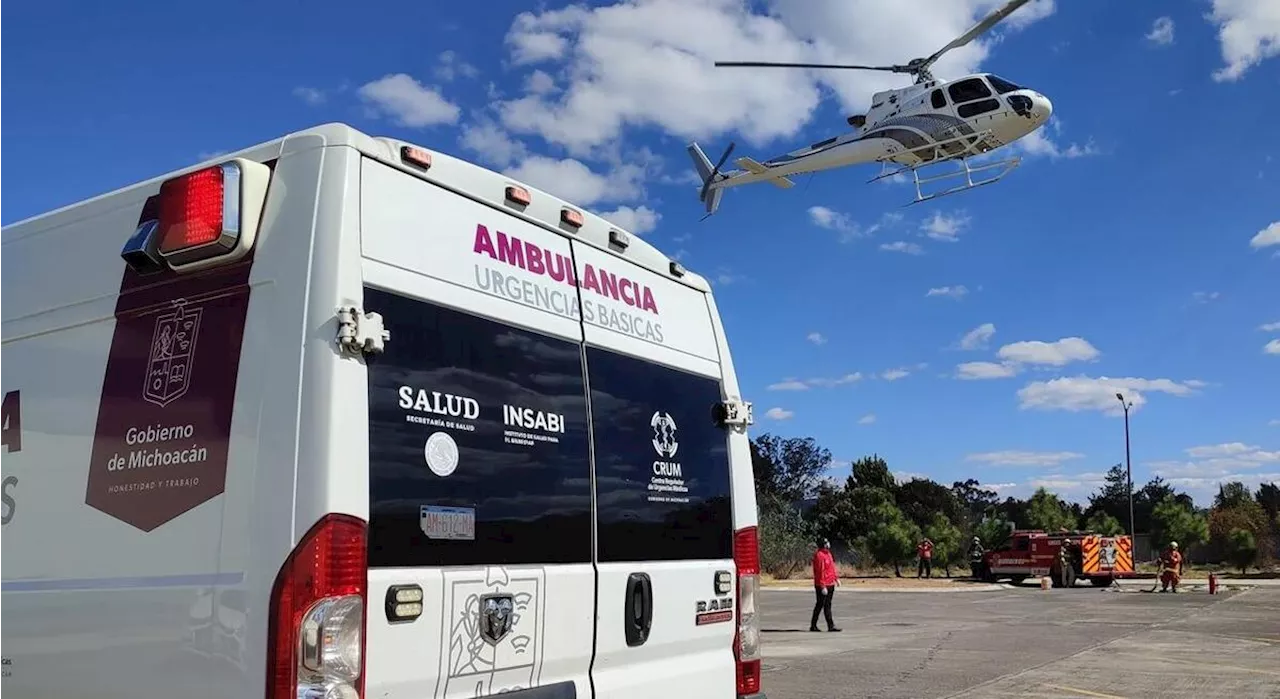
1128,463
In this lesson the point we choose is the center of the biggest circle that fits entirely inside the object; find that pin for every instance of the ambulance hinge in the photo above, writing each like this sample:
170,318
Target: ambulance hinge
733,413
361,333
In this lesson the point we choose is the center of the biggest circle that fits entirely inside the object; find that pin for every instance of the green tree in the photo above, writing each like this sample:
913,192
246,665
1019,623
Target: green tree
892,538
1103,523
1268,497
1045,511
1174,520
1146,499
1113,497
790,469
1232,494
1242,549
786,541
872,471
993,532
920,499
946,538
976,500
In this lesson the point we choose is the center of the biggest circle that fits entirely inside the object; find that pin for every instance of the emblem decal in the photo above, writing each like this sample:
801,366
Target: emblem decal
664,434
1108,553
173,347
496,616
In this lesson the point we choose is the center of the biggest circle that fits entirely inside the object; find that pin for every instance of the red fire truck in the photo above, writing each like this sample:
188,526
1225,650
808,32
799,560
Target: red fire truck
1063,556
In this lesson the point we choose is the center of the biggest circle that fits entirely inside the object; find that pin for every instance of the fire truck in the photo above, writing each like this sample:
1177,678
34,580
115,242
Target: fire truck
1064,556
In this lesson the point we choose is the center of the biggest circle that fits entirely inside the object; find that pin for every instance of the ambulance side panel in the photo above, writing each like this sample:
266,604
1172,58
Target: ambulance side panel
150,460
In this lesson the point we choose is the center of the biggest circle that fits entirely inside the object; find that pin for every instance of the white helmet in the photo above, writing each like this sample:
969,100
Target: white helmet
1173,544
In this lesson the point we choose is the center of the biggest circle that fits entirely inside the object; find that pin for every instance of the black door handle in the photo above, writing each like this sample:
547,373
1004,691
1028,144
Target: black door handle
638,609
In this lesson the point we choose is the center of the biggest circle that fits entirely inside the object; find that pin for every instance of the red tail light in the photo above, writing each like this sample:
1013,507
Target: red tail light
746,642
318,605
192,210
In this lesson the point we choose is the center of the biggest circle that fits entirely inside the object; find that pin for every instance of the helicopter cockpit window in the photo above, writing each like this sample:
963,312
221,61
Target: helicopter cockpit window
939,100
967,90
1001,85
973,109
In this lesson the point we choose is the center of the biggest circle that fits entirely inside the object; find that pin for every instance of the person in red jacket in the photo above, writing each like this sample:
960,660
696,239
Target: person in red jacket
925,551
825,581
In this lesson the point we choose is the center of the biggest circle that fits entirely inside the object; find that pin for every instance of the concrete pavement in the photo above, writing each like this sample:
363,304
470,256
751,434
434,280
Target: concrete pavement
1026,642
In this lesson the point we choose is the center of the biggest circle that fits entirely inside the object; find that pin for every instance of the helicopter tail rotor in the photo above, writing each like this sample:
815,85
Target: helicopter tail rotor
709,174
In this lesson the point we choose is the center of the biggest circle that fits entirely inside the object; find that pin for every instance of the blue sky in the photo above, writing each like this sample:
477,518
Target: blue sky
1137,247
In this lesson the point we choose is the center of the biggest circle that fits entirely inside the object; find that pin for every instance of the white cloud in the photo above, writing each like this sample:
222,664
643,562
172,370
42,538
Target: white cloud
1040,143
1274,423
449,67
779,414
793,384
816,338
638,220
902,246
976,371
1023,458
1272,347
944,228
955,292
895,374
1058,353
1207,466
1206,296
408,102
1078,393
867,419
492,143
574,181
649,63
1073,487
1161,31
1270,327
540,83
1248,31
313,96
978,337
1266,237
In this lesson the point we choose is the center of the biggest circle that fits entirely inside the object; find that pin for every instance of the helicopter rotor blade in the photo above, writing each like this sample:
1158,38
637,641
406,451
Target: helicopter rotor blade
767,64
977,30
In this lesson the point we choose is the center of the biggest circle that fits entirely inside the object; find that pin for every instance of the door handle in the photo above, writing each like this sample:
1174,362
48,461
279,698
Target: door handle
638,609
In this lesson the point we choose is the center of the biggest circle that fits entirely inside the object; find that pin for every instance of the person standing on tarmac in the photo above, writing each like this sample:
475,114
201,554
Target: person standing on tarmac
925,551
1170,567
825,582
976,552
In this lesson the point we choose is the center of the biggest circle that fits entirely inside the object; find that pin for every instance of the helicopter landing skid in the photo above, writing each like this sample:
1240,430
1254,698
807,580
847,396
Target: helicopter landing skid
942,154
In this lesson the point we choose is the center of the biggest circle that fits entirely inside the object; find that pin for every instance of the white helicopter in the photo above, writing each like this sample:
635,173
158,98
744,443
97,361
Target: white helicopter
928,123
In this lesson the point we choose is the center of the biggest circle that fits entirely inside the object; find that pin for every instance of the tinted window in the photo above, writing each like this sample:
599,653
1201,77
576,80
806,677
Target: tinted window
939,100
662,465
971,89
478,448
965,111
1001,85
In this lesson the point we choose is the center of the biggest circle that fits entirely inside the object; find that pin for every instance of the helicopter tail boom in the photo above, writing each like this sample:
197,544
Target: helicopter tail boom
714,180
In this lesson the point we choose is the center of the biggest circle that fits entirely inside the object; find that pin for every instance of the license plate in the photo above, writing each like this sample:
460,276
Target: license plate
1039,571
448,523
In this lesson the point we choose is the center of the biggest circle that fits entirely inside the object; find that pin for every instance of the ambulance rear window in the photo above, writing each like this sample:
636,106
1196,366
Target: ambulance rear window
662,464
478,447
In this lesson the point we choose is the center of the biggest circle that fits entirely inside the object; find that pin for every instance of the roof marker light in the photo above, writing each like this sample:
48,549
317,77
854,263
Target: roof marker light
518,195
571,217
677,269
418,157
619,238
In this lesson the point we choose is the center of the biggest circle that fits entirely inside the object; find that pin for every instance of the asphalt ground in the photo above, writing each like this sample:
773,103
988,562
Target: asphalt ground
1025,642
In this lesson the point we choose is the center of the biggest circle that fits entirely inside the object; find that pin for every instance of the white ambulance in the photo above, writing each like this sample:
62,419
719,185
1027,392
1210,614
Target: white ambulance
343,417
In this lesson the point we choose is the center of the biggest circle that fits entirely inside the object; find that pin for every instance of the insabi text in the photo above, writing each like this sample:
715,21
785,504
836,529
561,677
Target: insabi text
535,260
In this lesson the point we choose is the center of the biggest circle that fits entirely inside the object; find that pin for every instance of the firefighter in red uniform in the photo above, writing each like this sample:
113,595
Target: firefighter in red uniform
1170,567
825,581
